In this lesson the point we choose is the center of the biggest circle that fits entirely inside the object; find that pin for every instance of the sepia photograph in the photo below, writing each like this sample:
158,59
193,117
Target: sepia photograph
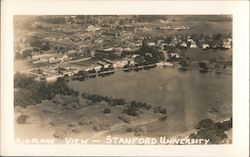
123,79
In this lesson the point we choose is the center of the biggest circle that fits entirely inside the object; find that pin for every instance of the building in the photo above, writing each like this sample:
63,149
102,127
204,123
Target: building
108,49
205,46
53,78
120,64
174,55
151,44
97,68
163,64
184,45
193,45
44,59
92,28
227,45
103,64
54,60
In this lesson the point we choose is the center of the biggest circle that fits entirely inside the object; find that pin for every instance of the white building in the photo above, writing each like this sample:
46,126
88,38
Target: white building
190,40
184,45
108,49
44,59
92,28
205,46
227,45
54,60
127,49
162,64
120,64
53,78
104,64
151,44
193,45
134,56
173,54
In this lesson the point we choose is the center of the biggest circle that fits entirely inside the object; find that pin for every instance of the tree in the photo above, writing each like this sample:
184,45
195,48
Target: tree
107,111
203,66
45,46
205,123
31,92
21,80
132,110
27,53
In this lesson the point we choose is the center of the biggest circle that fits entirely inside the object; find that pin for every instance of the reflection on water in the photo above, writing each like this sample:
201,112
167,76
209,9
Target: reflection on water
189,96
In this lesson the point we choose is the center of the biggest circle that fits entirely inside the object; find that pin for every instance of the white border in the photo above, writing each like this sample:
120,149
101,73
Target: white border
240,12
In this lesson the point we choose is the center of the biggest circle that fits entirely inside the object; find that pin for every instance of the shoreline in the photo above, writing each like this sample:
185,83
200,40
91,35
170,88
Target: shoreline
92,135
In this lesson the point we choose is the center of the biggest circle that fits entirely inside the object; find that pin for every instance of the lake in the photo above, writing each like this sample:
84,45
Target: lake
189,96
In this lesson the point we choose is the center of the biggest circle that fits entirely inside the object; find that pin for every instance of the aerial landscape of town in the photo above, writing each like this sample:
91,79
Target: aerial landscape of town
110,78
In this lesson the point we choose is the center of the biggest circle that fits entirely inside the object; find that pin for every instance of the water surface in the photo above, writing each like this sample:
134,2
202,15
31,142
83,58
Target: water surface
188,96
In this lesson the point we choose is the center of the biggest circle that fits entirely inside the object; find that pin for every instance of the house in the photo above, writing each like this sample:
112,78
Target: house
193,45
205,46
151,44
174,54
40,78
44,59
53,60
184,45
165,28
92,28
227,45
163,64
97,68
131,62
148,54
92,53
37,62
160,41
229,39
120,64
103,64
190,40
128,49
108,49
118,49
162,21
118,53
65,57
53,78
98,41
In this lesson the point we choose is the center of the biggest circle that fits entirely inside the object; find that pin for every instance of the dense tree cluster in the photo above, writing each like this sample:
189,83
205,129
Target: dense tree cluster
99,55
208,129
107,111
30,92
203,67
25,54
148,55
160,110
98,98
133,108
